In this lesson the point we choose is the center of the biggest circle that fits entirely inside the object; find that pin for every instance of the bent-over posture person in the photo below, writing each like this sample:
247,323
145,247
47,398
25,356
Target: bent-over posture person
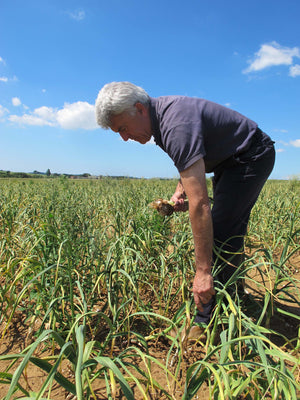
199,136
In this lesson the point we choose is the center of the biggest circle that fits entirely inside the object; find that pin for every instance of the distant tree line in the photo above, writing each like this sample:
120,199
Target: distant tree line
37,174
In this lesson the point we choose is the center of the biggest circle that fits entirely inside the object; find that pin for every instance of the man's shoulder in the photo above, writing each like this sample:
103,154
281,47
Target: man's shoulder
190,105
176,99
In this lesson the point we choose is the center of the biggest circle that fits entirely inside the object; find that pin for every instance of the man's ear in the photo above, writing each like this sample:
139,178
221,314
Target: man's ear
141,108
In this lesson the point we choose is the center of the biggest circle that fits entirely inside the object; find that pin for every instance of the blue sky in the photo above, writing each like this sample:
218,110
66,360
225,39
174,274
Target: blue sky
55,56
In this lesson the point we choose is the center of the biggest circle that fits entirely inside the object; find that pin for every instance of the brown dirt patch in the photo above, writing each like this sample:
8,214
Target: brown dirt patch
33,377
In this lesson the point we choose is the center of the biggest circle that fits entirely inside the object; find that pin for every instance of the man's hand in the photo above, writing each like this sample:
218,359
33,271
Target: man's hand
180,204
203,288
179,197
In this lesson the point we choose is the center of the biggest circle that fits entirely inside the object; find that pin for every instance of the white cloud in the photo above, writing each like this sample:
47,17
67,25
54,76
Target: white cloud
282,142
79,115
2,61
294,70
295,143
16,101
280,150
77,15
5,79
280,130
272,54
47,114
3,111
31,119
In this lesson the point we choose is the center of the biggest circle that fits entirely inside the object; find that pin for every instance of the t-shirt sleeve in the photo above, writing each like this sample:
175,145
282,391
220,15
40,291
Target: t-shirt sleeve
184,144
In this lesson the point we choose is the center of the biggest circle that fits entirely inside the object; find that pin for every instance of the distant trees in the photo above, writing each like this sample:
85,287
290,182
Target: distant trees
37,174
9,174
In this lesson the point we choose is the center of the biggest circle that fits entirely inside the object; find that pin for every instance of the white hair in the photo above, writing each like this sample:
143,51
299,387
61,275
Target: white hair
118,97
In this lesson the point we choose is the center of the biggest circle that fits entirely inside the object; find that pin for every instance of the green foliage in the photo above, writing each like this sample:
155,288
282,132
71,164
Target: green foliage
104,276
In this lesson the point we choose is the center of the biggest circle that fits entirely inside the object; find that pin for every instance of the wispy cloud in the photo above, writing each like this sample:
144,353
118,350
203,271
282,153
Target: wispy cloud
77,15
280,130
3,111
273,54
5,79
295,70
294,143
79,115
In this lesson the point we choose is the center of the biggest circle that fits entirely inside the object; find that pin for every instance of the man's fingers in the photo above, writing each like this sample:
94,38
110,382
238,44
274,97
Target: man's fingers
206,300
203,290
198,303
203,299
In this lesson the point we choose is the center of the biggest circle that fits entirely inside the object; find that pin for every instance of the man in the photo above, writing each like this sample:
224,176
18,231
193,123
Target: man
199,136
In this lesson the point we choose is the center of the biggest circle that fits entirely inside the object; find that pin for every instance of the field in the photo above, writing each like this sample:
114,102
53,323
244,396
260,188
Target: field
95,295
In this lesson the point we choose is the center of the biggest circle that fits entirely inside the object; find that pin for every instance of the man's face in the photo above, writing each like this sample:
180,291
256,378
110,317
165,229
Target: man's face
135,127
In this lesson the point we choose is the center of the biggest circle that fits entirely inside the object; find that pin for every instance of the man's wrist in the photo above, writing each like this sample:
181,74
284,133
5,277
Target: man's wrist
203,269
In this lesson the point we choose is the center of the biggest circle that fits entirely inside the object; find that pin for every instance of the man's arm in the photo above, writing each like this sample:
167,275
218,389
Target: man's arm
194,183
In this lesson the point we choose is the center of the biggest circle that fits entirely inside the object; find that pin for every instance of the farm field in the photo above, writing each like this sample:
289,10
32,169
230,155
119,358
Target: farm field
95,296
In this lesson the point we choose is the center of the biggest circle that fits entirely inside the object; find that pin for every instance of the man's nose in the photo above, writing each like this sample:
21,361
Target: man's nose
124,136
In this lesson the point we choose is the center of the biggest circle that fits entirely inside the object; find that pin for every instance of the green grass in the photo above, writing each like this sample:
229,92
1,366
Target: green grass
104,279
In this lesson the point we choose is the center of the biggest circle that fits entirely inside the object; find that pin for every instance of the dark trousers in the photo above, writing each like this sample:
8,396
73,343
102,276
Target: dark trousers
237,184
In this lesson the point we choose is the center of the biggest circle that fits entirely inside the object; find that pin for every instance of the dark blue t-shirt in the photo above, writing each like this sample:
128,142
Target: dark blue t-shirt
189,128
